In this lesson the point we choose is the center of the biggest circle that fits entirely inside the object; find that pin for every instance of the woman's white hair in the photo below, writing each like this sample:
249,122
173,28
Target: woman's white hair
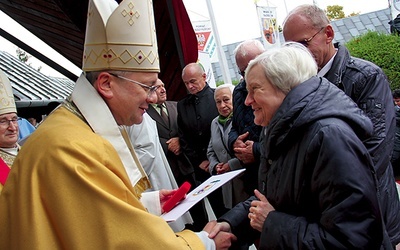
224,86
287,66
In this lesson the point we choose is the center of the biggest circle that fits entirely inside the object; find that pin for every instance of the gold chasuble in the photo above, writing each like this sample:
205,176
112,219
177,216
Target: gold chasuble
69,189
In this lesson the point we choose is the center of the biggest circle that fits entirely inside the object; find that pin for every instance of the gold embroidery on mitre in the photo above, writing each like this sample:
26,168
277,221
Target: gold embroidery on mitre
131,13
7,103
126,42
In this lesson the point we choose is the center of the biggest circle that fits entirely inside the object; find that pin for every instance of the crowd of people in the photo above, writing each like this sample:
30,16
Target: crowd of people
313,127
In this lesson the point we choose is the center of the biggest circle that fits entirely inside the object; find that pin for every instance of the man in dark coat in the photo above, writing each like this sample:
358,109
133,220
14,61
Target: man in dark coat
168,135
244,136
369,88
195,114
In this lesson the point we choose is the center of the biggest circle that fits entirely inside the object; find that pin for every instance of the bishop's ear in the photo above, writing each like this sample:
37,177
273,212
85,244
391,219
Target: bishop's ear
103,84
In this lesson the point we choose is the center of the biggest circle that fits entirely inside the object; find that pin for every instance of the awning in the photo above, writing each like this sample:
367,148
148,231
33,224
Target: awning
32,88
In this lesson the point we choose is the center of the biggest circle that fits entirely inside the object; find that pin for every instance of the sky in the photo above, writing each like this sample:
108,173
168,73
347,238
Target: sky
236,21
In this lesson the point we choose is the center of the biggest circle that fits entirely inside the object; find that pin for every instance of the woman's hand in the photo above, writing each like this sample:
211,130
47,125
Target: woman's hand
222,168
259,211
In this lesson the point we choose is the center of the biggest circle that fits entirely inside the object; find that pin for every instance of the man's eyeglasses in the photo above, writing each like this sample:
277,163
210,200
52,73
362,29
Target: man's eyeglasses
149,89
6,123
305,42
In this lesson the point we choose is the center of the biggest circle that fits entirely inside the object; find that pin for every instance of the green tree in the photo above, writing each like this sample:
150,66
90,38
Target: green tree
381,49
354,14
22,55
334,12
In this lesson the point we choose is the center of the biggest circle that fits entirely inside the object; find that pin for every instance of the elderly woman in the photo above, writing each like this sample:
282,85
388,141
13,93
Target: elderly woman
317,185
218,153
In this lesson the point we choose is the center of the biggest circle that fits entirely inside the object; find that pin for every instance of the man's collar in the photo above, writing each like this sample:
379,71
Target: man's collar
201,92
327,66
156,105
11,151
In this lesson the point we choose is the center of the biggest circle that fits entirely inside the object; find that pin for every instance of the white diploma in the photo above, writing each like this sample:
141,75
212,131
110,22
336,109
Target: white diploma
199,193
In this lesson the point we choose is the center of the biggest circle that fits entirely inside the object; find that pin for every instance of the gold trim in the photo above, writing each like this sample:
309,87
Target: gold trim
70,106
7,157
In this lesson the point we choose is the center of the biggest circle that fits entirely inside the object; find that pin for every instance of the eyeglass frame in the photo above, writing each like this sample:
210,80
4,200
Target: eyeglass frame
306,41
6,122
149,89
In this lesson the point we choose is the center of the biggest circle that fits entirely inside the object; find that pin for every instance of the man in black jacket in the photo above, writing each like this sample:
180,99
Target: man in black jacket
195,114
244,135
369,88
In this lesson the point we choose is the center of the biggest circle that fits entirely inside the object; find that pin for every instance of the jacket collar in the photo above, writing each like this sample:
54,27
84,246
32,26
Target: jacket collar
335,74
201,93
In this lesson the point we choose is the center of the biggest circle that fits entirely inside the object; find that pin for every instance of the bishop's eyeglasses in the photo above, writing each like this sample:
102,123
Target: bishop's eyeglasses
149,89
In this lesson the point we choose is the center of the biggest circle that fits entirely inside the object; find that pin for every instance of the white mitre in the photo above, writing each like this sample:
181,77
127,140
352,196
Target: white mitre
7,103
120,37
